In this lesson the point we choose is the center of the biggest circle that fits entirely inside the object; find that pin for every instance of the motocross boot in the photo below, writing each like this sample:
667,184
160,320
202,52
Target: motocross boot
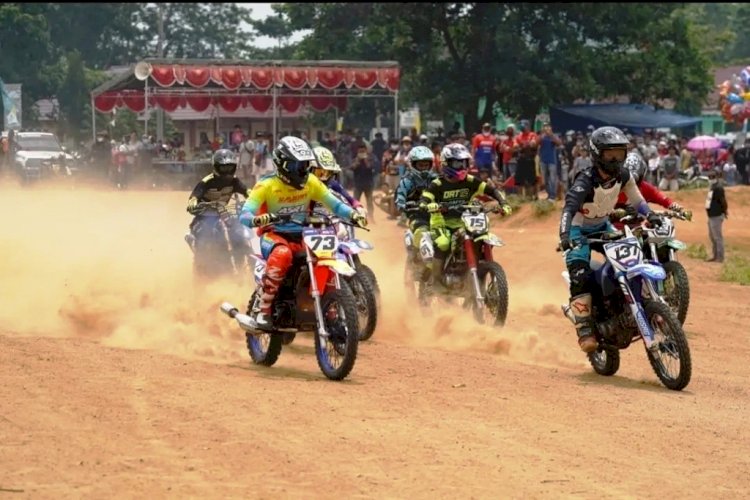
580,306
437,274
264,317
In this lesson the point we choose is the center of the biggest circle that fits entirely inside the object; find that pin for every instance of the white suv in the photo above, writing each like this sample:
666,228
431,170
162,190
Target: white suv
39,154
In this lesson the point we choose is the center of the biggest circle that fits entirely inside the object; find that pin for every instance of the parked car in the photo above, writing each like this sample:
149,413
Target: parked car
39,155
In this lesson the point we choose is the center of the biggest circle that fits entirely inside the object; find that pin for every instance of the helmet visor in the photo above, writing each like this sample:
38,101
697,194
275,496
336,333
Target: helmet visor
612,155
298,167
457,164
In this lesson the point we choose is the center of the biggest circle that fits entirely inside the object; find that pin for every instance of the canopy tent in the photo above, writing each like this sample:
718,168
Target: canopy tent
230,84
634,117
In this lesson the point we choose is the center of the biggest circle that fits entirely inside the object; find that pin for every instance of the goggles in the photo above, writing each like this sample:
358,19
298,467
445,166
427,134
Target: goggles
226,169
609,155
322,173
297,166
423,165
457,164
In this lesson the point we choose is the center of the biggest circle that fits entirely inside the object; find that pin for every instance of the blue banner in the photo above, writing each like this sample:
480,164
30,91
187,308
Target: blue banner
11,105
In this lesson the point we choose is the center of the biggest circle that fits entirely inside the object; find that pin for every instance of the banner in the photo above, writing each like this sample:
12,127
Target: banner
11,105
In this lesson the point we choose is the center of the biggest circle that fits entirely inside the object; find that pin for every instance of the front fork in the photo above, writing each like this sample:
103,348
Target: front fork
471,260
636,309
317,295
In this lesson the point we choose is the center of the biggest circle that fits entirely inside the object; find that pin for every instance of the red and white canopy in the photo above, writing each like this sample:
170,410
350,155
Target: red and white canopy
232,84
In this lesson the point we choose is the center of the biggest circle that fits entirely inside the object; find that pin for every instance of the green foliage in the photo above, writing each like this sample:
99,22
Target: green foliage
736,269
72,96
696,251
542,208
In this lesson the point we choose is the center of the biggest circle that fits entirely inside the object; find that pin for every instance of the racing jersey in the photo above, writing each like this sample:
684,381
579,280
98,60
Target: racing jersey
591,199
216,188
457,194
272,195
483,147
410,188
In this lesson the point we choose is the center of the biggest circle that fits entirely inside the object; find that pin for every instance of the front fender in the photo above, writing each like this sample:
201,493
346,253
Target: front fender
677,244
337,265
490,239
651,271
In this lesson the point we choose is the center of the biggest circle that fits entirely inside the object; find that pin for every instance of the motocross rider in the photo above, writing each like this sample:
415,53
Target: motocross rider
637,167
289,191
588,205
325,168
453,188
419,174
210,196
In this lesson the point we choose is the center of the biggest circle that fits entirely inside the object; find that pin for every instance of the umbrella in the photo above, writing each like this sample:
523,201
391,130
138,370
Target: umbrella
703,142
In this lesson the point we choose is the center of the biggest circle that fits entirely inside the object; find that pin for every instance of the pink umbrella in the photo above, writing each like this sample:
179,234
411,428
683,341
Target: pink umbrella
703,142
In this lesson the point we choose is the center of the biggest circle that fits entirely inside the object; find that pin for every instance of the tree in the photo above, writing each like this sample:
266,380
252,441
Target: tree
73,95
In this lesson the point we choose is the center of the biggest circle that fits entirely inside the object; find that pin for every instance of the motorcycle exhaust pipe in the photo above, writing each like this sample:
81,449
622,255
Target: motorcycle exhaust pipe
246,322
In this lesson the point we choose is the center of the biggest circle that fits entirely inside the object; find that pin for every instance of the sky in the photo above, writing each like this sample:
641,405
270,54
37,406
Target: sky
261,11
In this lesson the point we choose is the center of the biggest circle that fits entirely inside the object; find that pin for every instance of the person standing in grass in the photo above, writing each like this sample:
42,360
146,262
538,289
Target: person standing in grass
717,209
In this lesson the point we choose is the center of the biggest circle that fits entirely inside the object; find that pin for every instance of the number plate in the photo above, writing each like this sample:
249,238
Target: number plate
322,242
625,253
475,223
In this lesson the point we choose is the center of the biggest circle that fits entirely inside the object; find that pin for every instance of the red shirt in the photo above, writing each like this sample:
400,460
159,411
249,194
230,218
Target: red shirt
507,155
524,138
482,147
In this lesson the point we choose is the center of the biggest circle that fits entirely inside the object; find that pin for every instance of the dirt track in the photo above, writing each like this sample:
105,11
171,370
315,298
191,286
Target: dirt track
120,380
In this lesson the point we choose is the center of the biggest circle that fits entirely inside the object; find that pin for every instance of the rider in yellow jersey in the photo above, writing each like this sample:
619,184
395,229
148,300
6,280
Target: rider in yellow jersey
289,191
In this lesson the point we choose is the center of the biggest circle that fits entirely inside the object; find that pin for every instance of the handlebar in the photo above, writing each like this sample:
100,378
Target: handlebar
316,218
606,237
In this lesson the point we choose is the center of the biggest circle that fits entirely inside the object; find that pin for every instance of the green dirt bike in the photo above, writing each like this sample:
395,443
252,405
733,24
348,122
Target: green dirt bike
469,271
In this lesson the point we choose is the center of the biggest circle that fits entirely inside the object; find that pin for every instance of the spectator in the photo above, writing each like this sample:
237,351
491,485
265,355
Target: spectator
436,147
483,151
742,159
378,146
669,168
406,143
729,171
548,144
237,138
328,142
364,177
388,163
528,144
580,164
245,162
440,136
508,149
717,210
101,153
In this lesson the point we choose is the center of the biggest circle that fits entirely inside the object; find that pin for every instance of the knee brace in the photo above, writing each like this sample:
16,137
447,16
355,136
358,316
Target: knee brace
579,277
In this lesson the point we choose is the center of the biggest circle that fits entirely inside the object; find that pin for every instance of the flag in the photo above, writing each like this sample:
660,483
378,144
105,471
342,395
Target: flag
11,105
418,121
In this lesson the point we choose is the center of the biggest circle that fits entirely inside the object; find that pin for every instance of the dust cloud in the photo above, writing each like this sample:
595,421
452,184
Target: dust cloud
112,266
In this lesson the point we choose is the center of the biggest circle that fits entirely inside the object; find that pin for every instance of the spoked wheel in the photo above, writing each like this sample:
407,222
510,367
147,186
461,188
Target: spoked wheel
605,361
337,353
494,287
367,309
264,348
677,289
671,360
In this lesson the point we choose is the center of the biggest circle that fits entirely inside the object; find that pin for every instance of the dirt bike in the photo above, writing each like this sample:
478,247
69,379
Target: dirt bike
220,244
323,304
625,307
468,265
415,271
660,245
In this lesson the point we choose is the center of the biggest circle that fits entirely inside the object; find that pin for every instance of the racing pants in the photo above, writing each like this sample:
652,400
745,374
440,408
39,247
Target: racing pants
578,260
278,251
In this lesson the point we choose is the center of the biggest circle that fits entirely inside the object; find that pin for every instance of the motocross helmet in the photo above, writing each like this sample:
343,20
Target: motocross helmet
636,166
324,166
225,163
419,161
292,157
454,162
608,146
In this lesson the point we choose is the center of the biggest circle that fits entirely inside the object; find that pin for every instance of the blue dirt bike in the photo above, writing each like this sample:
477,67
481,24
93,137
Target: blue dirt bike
626,306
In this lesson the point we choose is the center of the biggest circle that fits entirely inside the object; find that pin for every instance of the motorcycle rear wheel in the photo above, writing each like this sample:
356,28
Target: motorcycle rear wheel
367,308
677,289
336,354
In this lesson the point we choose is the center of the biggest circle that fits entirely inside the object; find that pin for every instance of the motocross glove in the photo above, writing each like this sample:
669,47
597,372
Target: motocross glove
653,219
688,214
362,211
433,207
506,209
359,219
565,242
675,207
262,220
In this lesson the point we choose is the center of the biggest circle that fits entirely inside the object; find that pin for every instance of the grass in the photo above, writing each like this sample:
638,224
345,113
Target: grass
514,201
697,251
542,208
736,269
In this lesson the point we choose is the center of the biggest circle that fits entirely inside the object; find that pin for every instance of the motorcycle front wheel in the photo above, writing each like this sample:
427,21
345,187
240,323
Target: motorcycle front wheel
337,353
677,289
264,348
671,361
494,287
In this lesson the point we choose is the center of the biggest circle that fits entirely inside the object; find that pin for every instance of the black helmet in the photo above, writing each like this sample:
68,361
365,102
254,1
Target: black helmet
608,146
292,157
225,163
637,167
